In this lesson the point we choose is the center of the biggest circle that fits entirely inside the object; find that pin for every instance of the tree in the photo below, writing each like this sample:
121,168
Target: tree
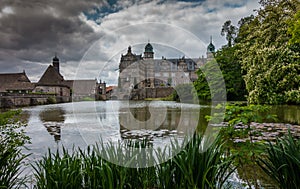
210,83
294,28
230,31
271,65
232,73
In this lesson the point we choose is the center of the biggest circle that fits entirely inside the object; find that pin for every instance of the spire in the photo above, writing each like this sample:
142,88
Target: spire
129,50
210,47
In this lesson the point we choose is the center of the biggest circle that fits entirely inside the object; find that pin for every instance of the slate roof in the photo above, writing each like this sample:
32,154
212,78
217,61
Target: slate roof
51,77
15,81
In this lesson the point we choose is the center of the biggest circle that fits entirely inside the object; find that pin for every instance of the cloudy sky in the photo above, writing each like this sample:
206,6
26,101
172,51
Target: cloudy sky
90,36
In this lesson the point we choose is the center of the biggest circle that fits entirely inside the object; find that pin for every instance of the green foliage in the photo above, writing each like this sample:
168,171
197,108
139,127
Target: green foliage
191,168
184,93
195,168
51,100
246,114
294,29
232,73
210,83
202,87
86,98
56,171
282,162
271,65
230,31
12,137
243,115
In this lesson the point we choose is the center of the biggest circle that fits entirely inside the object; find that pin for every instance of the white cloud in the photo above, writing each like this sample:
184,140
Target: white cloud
177,25
175,28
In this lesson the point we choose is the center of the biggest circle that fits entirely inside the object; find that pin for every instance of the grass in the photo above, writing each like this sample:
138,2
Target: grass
282,162
90,168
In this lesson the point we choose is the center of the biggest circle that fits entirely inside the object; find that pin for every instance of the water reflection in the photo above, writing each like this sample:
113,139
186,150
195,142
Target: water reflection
101,111
152,120
287,113
53,119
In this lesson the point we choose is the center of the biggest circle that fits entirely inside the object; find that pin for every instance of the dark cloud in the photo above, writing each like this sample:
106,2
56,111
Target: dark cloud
36,29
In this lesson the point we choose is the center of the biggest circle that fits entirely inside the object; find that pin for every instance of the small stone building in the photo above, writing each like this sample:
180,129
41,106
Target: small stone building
52,82
15,83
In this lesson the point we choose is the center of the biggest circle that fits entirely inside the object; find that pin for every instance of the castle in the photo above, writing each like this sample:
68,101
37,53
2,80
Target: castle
143,77
140,77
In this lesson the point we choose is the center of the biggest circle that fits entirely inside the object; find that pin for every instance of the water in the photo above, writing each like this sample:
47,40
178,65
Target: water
84,123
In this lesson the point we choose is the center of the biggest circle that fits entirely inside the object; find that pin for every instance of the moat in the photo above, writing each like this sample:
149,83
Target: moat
84,123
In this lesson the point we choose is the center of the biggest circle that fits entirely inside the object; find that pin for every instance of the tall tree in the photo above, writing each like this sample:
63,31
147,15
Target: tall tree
272,67
230,31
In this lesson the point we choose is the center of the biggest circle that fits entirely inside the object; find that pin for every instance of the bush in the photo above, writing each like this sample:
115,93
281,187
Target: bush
51,100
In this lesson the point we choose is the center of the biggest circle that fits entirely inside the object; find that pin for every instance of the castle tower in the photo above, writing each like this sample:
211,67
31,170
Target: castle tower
210,49
55,63
148,54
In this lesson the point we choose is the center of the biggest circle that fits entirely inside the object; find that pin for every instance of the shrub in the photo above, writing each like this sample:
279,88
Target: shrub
51,100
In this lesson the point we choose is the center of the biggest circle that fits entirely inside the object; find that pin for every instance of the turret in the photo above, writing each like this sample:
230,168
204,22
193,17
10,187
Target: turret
55,63
148,54
210,49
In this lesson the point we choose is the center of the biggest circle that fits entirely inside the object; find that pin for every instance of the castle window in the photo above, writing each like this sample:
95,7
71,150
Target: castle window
190,66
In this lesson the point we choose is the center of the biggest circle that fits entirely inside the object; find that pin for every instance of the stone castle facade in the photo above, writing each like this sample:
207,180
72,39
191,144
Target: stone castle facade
139,74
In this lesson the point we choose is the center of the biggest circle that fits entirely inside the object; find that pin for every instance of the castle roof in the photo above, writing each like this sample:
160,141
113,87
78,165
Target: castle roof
210,47
51,77
15,81
148,48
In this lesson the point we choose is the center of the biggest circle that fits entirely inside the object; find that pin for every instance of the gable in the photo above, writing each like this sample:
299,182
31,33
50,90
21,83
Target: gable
51,77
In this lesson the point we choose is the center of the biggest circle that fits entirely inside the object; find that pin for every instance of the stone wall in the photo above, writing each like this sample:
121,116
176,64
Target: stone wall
61,91
16,100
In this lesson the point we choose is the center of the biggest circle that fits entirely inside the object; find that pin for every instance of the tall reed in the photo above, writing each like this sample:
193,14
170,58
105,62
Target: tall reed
282,162
110,166
59,171
12,139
